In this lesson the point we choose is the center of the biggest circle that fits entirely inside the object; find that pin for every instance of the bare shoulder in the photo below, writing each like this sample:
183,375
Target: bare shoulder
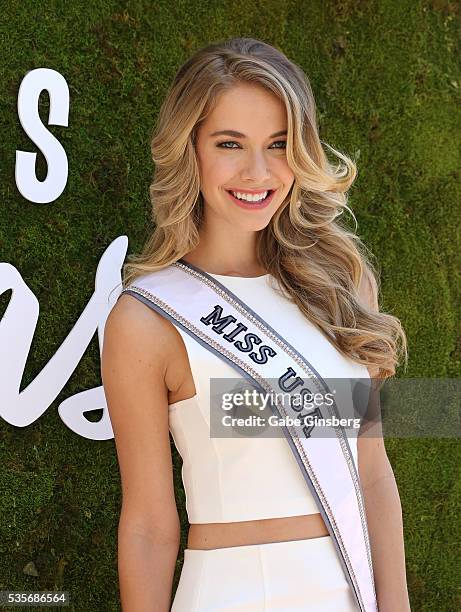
151,334
130,321
368,290
369,296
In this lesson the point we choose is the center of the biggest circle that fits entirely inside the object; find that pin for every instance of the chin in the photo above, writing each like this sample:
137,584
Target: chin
253,225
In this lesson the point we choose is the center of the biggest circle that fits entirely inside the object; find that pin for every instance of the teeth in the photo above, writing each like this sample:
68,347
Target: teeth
249,197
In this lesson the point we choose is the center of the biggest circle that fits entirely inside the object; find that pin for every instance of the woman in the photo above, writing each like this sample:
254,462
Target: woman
246,209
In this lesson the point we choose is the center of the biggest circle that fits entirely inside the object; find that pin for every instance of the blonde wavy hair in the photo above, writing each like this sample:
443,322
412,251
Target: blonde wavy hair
323,267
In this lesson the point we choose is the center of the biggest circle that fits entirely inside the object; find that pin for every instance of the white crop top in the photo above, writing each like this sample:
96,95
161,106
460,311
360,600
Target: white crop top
248,478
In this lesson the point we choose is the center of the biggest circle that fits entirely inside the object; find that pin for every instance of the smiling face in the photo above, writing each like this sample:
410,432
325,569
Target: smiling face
249,158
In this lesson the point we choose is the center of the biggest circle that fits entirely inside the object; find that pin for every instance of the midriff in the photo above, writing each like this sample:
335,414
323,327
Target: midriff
219,535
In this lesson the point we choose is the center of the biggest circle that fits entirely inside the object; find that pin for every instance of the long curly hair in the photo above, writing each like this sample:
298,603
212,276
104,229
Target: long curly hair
320,265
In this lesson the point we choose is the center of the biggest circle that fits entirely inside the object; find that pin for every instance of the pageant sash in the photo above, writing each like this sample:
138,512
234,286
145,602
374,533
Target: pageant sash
209,312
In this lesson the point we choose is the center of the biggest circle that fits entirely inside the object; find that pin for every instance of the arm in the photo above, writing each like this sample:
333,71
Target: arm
133,366
384,518
382,501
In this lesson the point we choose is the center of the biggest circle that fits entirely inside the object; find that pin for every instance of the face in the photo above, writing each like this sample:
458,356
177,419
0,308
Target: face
250,161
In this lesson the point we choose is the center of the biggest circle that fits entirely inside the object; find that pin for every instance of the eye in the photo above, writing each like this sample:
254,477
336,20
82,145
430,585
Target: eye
221,144
231,142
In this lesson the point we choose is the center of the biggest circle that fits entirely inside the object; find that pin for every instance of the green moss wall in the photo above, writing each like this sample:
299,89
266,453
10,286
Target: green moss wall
386,76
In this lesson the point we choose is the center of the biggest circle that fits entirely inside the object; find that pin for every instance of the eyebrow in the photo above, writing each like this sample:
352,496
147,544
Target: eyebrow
235,134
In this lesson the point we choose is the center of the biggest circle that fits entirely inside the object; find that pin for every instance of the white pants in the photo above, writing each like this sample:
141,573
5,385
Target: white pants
298,575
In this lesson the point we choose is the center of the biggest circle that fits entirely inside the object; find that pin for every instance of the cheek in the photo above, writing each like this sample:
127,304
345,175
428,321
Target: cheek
209,166
288,175
281,169
219,172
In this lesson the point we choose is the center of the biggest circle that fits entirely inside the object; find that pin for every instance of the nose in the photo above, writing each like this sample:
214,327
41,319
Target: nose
255,168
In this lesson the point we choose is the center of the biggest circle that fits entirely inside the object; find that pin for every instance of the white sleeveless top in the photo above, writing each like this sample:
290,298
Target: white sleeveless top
248,478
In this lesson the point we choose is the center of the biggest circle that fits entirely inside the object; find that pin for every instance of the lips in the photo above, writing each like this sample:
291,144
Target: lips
250,191
253,205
